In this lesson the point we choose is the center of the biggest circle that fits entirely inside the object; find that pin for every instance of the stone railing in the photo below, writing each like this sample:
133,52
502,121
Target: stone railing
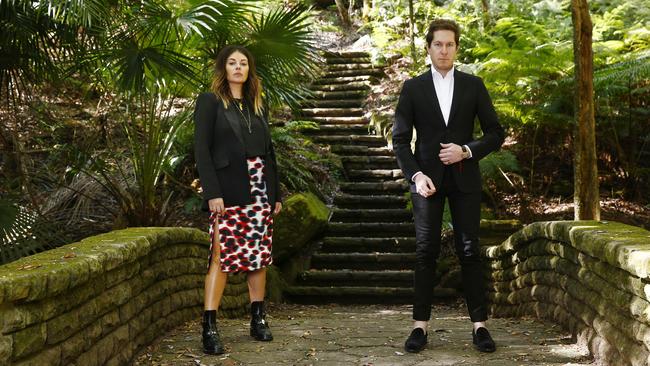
591,277
100,300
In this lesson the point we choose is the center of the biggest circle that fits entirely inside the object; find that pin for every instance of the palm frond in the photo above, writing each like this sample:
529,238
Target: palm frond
75,12
284,52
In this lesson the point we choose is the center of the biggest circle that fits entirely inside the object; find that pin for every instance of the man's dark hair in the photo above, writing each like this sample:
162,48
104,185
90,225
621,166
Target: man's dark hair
443,24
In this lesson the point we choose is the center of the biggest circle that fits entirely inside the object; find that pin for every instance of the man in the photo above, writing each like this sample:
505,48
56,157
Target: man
442,104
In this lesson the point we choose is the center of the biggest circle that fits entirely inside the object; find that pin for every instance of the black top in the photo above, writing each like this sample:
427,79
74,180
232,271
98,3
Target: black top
254,140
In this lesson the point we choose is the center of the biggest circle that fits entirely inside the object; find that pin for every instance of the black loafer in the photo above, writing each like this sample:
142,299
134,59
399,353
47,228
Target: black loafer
483,341
416,341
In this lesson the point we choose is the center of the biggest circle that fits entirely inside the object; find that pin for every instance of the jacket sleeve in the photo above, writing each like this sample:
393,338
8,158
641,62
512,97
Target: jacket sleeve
271,151
205,114
493,133
403,133
278,194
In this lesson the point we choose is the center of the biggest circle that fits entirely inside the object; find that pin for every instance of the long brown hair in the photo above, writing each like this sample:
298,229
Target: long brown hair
252,89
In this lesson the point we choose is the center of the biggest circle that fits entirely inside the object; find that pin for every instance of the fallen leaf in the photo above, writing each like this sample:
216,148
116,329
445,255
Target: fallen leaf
29,266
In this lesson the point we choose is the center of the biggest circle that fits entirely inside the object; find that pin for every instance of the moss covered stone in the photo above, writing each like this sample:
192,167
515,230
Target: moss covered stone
105,297
589,276
303,216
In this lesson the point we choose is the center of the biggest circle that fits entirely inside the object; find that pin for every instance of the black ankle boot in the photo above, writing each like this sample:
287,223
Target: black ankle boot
259,328
211,341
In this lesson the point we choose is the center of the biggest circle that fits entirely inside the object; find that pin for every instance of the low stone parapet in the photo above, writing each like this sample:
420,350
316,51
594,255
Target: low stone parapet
100,300
591,277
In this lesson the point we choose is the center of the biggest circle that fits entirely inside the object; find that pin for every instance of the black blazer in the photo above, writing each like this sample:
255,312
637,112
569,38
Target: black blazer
418,108
221,157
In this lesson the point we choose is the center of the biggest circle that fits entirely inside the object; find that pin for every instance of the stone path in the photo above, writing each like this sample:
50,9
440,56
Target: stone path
370,335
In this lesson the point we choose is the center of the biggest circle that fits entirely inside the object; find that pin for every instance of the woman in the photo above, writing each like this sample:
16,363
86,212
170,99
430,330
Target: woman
238,173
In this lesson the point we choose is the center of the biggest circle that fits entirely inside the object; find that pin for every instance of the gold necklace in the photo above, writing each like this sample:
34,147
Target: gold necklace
248,121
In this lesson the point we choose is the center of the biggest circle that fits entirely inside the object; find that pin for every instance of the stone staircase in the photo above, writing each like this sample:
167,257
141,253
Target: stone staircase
368,251
366,254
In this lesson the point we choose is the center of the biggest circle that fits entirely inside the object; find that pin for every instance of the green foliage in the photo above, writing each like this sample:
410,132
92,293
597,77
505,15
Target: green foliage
138,57
304,166
523,50
132,176
24,232
497,166
281,43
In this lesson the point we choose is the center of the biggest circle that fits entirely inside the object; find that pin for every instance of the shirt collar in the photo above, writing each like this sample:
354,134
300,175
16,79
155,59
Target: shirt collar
436,74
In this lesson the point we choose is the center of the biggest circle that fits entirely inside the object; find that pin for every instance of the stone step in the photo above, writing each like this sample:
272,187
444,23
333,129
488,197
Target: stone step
370,162
351,129
337,120
347,60
364,201
364,261
331,112
354,85
369,159
345,80
333,103
352,66
371,229
375,165
361,150
343,94
358,72
361,294
374,188
345,54
374,174
359,278
366,140
352,244
371,215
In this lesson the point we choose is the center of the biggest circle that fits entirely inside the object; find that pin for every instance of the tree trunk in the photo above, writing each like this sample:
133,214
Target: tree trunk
586,196
343,13
414,54
486,14
365,13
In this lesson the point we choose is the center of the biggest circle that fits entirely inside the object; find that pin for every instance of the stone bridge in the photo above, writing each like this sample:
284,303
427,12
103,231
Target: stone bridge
103,300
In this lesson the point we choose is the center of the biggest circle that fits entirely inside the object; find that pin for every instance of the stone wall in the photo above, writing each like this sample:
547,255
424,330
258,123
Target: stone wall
591,277
100,300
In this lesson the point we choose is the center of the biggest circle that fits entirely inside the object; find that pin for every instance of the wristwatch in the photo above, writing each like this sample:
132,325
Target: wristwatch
465,152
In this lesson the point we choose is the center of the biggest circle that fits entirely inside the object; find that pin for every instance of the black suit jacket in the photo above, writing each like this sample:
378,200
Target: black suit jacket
418,108
221,157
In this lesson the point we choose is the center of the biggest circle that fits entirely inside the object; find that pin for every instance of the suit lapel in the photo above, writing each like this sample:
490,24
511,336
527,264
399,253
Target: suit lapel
233,118
431,97
455,100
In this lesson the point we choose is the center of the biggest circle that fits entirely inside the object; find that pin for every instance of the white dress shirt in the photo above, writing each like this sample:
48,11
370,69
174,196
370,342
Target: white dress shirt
444,86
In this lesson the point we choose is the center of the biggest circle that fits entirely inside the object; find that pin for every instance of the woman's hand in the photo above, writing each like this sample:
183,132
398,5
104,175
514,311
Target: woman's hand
278,208
216,205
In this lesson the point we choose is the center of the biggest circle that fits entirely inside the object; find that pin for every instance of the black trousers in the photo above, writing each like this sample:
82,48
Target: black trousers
465,213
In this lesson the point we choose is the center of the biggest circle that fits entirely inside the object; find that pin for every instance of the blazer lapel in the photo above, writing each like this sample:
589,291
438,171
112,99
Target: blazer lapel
455,99
431,97
233,118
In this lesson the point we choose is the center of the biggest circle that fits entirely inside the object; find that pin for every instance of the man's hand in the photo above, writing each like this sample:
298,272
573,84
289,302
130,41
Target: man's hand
424,186
216,205
450,153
